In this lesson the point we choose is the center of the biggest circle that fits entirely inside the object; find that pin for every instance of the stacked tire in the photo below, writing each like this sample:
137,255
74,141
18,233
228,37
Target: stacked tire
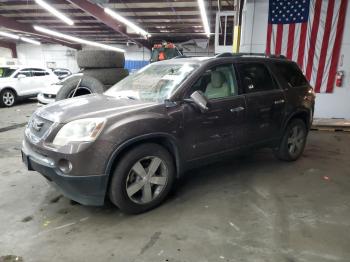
100,70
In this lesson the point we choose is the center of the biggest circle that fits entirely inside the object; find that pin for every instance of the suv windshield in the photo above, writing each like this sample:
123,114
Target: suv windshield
6,72
154,83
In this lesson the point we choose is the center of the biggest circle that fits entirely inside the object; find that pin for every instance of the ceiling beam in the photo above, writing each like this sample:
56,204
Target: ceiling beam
12,24
98,13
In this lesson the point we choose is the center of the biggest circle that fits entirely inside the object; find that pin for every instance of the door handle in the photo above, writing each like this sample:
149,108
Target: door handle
278,102
237,109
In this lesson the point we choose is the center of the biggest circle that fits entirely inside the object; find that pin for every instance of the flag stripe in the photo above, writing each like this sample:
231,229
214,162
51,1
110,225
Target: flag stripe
301,51
315,26
290,42
268,40
279,39
337,45
324,48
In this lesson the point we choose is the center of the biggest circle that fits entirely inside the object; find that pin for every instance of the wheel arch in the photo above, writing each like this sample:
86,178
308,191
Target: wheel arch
9,88
163,139
302,114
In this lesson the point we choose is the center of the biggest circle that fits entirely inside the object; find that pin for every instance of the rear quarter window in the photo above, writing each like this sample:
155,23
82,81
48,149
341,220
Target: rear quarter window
291,73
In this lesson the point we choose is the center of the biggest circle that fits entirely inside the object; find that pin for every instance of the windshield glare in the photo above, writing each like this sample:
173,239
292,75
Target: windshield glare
153,83
6,72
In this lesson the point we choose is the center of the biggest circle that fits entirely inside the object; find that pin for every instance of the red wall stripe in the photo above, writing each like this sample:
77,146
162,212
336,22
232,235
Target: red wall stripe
325,44
337,46
291,40
314,30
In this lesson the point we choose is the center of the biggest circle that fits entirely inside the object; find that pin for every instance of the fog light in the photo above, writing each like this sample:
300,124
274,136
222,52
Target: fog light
65,166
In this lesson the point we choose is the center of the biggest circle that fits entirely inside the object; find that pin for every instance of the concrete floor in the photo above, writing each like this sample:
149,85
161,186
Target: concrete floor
255,209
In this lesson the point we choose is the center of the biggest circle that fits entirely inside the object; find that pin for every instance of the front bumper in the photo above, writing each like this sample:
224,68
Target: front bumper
86,190
43,99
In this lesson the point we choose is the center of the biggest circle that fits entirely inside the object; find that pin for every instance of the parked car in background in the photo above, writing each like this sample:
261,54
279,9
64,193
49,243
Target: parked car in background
133,141
24,82
61,72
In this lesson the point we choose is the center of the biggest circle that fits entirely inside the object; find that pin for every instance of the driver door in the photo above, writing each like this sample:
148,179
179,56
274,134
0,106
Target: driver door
223,126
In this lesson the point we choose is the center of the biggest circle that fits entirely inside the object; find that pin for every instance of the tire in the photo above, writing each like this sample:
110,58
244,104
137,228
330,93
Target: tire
88,85
100,59
107,76
8,98
293,141
134,200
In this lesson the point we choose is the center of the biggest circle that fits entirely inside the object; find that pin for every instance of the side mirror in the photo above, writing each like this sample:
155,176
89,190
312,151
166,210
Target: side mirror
200,100
21,76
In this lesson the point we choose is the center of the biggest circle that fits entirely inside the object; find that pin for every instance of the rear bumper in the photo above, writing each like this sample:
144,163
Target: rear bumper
86,190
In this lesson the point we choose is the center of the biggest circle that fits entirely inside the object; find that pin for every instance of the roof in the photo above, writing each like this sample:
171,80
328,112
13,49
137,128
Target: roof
171,20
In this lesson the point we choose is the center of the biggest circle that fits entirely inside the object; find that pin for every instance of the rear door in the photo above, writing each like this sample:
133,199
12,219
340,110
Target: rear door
41,79
265,101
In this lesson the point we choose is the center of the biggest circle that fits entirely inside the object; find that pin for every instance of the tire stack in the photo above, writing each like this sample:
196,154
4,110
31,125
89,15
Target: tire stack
100,68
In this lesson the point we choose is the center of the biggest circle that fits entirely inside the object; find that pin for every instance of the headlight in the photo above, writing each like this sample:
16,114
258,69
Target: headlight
82,130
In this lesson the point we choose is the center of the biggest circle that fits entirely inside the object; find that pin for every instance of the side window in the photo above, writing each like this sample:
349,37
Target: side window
291,74
255,77
39,72
217,82
25,72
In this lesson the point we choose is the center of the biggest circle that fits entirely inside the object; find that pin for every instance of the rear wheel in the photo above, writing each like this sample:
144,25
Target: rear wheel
8,98
142,179
293,141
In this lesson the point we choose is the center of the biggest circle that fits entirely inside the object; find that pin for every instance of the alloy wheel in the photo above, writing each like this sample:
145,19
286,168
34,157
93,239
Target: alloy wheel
8,98
296,140
146,180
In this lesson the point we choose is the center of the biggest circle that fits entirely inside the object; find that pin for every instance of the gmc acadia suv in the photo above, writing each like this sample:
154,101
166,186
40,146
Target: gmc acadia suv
133,141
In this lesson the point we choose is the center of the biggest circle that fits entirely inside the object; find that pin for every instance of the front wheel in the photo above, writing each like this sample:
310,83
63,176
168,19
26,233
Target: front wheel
293,141
142,179
8,98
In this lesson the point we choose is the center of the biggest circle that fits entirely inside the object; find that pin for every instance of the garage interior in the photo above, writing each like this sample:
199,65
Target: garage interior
248,208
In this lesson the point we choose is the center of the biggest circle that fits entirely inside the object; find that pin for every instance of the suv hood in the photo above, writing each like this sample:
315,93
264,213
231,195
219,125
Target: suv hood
89,106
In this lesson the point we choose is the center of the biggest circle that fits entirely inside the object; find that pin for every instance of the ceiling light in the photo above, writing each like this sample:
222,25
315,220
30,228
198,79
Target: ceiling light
128,23
76,39
25,39
9,35
204,17
31,41
54,12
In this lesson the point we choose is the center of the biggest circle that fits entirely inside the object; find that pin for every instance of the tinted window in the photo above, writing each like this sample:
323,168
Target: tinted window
39,72
6,72
217,82
25,72
255,77
292,74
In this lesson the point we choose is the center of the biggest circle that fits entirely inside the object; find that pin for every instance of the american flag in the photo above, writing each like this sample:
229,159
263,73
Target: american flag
308,32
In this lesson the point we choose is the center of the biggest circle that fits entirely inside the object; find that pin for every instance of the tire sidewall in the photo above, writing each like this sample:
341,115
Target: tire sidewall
2,104
284,153
117,189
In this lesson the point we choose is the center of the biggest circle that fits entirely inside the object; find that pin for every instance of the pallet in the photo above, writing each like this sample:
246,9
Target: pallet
331,124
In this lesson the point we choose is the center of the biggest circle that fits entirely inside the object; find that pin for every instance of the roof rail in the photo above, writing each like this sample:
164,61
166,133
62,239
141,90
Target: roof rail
227,54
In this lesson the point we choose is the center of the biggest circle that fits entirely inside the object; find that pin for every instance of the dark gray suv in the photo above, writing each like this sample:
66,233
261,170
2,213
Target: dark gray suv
131,143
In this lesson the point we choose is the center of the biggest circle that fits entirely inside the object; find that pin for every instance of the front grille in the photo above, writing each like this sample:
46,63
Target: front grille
39,126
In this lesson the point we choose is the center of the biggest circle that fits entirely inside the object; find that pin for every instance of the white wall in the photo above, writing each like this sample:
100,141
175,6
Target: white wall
32,55
254,30
5,52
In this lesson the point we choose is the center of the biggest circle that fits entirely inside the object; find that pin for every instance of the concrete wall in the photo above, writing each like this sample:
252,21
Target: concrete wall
5,52
32,55
254,29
